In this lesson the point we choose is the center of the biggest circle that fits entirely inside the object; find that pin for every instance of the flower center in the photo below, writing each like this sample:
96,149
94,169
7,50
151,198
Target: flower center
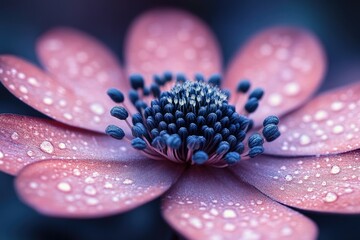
193,122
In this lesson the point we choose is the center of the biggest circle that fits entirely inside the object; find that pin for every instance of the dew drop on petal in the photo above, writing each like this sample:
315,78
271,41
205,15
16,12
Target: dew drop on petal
335,169
62,145
15,136
228,213
128,181
1,154
305,139
330,197
48,100
47,147
64,187
288,178
97,108
90,190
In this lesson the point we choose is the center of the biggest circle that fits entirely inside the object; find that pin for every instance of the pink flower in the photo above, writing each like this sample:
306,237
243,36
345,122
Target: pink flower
71,169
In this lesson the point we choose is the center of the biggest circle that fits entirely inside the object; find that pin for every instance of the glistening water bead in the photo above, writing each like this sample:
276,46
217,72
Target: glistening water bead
193,122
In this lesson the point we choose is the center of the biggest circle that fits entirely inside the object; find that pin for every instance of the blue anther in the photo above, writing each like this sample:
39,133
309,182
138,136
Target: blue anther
234,118
169,118
158,117
148,112
200,157
155,90
255,140
255,151
138,143
243,86
138,130
179,114
216,139
257,93
172,128
150,122
202,111
211,119
218,113
159,143
232,158
119,112
174,141
115,95
193,128
139,104
180,122
133,96
232,129
225,121
209,133
146,91
137,118
162,125
231,140
192,142
271,120
136,81
169,108
154,132
167,76
180,78
115,132
215,80
158,80
271,132
240,135
190,117
225,133
227,93
200,120
199,77
239,148
217,127
183,132
223,148
251,105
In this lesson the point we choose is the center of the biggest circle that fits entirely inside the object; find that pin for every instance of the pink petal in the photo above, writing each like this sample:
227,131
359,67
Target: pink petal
24,140
328,124
53,98
288,63
90,188
81,63
213,204
326,184
171,40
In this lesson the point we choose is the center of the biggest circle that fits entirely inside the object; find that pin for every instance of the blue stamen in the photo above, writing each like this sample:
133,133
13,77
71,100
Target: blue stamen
137,81
138,143
200,157
243,86
115,95
119,112
115,132
232,157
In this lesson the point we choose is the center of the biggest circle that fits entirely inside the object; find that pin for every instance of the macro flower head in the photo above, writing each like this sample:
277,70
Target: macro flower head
181,131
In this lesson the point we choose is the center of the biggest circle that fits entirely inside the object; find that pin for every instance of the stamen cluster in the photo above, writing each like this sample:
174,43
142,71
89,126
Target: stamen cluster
193,122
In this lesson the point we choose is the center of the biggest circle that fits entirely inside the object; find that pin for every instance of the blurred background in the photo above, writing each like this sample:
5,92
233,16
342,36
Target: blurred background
336,23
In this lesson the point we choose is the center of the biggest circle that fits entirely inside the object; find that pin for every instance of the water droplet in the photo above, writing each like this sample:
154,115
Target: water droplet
292,89
15,136
33,185
229,227
229,213
330,197
89,180
90,190
68,116
321,115
64,187
128,181
1,154
62,145
92,201
76,172
30,153
305,139
108,185
288,178
47,147
335,169
97,108
33,81
275,99
48,100
337,106
338,129
286,231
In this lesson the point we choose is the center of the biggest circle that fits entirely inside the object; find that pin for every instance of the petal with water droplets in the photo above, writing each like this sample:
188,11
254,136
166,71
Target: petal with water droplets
214,204
88,188
326,125
325,184
171,40
55,99
24,140
288,63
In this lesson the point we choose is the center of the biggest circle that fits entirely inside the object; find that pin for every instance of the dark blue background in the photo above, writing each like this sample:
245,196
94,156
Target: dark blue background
336,23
